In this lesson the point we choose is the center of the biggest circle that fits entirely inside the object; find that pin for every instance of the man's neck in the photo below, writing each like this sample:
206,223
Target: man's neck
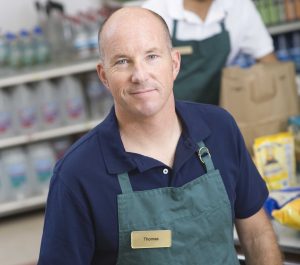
199,7
156,136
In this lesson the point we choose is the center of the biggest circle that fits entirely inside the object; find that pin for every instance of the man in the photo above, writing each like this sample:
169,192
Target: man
211,34
142,187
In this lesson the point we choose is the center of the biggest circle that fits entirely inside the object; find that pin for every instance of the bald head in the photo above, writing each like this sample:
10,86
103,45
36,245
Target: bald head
134,17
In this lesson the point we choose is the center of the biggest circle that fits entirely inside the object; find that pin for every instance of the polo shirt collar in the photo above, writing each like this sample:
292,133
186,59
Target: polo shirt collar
117,160
217,13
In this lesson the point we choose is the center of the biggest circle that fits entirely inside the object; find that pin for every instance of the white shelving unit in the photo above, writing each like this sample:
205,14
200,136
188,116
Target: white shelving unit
284,28
47,72
49,134
13,207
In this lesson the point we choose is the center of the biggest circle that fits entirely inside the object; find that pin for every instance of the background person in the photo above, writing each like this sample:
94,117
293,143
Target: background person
210,34
142,187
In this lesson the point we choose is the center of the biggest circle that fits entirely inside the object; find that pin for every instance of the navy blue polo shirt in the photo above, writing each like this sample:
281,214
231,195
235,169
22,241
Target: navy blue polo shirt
81,223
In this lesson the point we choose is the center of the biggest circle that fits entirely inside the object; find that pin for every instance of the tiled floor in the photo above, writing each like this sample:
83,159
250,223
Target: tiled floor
20,239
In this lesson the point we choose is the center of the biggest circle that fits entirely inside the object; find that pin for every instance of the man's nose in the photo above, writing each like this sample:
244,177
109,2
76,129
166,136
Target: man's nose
139,73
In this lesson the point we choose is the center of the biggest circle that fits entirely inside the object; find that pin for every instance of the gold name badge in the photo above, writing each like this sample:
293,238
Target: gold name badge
184,50
151,239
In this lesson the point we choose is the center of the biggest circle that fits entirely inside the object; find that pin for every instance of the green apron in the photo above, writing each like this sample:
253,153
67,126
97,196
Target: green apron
198,215
201,66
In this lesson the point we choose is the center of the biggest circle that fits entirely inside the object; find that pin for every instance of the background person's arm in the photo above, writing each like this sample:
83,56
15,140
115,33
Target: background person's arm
258,240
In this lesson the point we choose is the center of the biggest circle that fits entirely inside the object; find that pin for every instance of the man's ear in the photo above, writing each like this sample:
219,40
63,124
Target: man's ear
176,59
102,75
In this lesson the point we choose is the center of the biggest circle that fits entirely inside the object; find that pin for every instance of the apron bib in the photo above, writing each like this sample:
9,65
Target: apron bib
196,217
201,66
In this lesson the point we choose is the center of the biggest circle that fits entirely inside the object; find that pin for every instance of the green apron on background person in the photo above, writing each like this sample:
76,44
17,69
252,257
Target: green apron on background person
200,72
198,214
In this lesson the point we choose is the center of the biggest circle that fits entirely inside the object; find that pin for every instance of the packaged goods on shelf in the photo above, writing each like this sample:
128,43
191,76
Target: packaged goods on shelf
60,146
42,160
25,107
72,100
275,160
284,206
100,99
4,191
49,105
294,127
16,171
6,115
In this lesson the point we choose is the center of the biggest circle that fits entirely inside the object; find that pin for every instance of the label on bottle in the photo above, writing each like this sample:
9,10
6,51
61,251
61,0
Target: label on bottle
5,122
17,175
27,117
50,112
75,108
43,168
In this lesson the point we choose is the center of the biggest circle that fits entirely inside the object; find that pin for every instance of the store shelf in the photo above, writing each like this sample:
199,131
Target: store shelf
45,135
284,28
47,71
14,207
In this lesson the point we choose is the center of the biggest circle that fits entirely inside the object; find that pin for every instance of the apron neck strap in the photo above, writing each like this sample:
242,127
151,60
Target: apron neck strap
125,183
205,157
175,22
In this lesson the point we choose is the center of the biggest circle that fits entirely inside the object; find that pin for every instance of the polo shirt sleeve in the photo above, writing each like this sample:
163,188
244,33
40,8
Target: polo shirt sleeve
251,189
68,232
255,39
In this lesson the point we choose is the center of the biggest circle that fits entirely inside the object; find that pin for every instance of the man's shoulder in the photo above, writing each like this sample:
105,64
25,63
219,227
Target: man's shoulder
207,111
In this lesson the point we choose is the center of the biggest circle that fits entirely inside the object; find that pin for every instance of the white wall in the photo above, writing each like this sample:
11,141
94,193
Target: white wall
17,14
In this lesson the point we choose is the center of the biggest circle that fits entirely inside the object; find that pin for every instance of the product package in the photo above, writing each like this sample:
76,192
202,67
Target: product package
275,160
260,98
284,207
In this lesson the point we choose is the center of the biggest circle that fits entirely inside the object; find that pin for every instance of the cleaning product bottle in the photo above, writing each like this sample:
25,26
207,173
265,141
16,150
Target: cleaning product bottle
26,110
27,48
6,115
72,100
41,46
100,99
48,105
42,160
16,170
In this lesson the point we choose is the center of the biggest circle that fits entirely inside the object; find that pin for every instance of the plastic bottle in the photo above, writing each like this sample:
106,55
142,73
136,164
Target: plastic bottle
27,48
17,172
42,160
3,53
60,146
92,28
14,53
26,109
48,105
4,187
73,102
81,40
282,52
41,46
42,18
55,31
100,100
295,50
6,117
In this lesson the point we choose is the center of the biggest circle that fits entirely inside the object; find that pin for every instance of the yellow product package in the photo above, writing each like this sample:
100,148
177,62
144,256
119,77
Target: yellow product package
289,214
275,160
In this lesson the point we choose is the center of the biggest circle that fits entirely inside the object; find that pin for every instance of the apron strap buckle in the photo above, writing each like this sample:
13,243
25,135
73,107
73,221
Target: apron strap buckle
203,151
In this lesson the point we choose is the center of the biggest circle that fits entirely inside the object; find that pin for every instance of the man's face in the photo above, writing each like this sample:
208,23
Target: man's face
139,67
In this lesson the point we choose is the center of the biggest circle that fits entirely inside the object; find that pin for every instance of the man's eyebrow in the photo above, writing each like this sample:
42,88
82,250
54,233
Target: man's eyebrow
119,55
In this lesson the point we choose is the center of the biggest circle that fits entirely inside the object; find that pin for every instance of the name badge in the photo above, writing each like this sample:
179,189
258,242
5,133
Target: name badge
184,50
151,239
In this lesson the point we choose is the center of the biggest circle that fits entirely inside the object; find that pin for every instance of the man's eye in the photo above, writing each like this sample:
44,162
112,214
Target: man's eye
152,56
122,61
